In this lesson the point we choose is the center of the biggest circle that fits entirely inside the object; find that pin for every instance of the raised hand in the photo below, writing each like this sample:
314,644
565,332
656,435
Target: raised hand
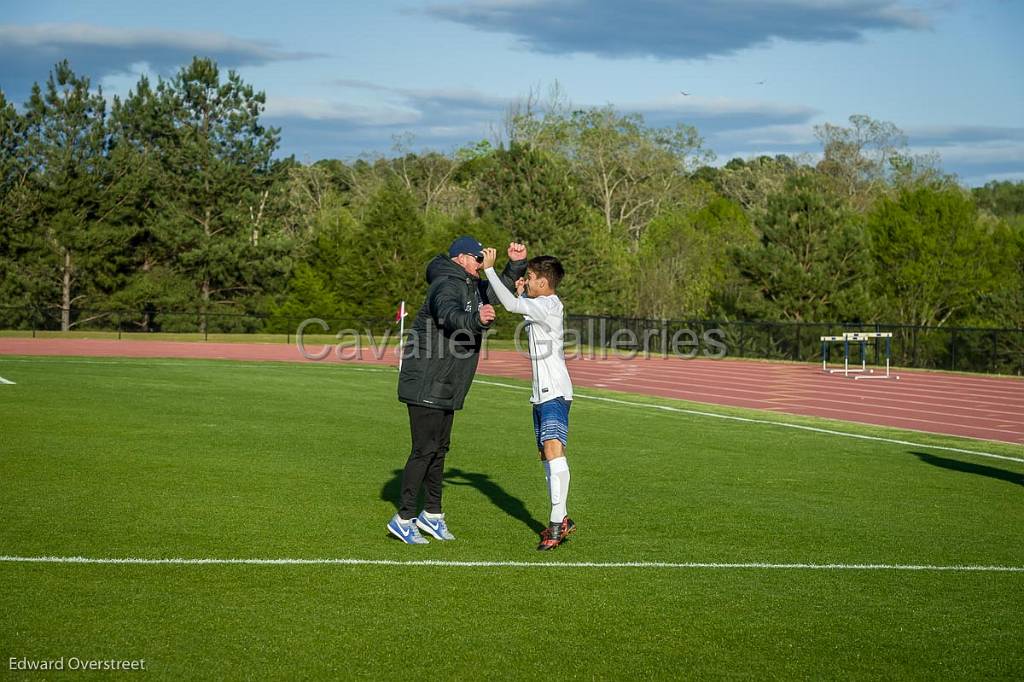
490,255
516,251
520,286
486,314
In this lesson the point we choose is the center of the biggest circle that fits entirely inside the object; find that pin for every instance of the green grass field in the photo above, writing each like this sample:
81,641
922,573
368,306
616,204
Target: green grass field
111,458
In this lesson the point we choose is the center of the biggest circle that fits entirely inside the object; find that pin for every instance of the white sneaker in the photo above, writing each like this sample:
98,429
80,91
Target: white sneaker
434,526
405,531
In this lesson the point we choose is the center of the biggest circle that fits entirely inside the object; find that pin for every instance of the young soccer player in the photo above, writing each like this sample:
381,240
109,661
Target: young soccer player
552,390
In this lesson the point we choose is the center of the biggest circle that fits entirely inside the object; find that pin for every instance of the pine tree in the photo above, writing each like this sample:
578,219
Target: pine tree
151,280
529,194
216,177
69,255
387,257
318,287
812,263
14,224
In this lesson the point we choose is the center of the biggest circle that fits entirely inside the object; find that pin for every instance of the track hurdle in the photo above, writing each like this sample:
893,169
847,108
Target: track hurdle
845,339
826,342
888,354
861,339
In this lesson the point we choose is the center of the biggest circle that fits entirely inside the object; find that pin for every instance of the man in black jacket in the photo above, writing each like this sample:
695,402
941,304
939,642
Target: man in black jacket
438,365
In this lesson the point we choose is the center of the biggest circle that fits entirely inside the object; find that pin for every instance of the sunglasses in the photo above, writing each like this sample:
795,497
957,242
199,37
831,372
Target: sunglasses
479,259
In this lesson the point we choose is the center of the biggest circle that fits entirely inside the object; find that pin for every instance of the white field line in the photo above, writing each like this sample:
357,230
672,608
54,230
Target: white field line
665,408
6,381
509,564
749,420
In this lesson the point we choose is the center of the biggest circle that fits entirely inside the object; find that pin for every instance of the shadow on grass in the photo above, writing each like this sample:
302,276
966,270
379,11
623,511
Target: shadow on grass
392,490
499,497
969,468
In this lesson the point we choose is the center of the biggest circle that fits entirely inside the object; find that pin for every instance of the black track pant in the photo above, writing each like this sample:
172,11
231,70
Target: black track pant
431,436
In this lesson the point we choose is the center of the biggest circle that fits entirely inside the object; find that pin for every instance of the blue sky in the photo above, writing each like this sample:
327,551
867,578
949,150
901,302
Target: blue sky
344,78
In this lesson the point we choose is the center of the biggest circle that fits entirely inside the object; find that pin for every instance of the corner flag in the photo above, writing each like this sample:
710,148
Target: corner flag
400,319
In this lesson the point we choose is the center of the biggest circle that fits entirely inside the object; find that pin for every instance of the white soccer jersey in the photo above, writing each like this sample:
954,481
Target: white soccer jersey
546,331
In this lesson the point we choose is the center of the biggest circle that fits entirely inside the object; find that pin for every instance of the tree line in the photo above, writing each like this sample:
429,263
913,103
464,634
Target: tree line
171,198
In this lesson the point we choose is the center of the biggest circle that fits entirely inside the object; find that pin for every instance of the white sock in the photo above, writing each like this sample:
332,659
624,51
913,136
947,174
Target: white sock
557,473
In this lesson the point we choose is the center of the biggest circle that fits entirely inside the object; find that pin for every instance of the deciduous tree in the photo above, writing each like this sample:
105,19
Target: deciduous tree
933,255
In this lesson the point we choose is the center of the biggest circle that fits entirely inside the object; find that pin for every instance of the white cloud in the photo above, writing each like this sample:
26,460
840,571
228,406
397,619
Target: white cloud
975,154
795,134
325,110
71,36
28,53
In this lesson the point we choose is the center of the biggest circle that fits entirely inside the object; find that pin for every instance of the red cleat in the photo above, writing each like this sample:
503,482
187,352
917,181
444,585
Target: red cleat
548,543
567,529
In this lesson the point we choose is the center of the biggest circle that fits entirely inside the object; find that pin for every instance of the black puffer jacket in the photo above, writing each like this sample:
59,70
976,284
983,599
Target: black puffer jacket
443,349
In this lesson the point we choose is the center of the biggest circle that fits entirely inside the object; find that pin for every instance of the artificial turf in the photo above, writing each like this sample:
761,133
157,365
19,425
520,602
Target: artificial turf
110,458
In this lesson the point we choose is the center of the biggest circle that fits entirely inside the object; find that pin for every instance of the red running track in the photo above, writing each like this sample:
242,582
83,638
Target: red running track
985,407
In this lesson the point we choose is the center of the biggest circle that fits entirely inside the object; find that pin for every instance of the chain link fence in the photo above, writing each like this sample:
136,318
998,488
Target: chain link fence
999,351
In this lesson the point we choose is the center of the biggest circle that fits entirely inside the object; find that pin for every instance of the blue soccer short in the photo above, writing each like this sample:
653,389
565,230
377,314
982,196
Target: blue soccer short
551,421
